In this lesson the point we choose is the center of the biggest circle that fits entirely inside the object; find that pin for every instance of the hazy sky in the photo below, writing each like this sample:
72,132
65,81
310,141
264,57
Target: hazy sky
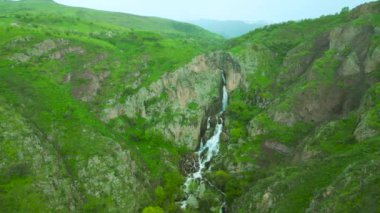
245,10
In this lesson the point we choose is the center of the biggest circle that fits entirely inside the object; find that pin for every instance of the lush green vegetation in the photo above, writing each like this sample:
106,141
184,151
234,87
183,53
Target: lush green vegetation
52,56
62,17
301,133
286,64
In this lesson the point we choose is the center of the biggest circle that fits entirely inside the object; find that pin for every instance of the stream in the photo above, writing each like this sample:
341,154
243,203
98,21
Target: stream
204,154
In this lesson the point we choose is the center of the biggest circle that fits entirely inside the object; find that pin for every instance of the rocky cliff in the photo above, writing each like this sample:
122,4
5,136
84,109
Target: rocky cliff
58,72
178,102
103,117
42,169
296,130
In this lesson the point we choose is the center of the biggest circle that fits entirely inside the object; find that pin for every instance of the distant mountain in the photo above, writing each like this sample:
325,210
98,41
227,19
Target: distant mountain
228,29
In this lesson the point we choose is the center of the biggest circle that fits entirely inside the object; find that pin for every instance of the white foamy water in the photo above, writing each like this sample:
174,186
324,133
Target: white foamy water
225,99
206,152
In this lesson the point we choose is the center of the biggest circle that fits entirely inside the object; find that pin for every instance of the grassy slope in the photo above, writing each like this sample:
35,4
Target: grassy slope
285,183
151,24
36,93
35,89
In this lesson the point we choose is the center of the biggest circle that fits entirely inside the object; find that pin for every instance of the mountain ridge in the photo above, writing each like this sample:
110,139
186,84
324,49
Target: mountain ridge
97,116
153,24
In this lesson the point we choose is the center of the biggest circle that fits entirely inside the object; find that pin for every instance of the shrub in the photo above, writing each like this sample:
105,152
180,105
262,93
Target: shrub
232,190
18,170
160,195
221,178
193,106
153,209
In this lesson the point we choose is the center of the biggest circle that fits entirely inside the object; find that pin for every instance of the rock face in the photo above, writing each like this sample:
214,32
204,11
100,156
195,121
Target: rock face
89,84
113,176
255,128
278,147
27,154
189,164
320,105
34,157
350,58
56,48
350,66
363,130
177,103
363,10
319,112
287,118
350,36
367,127
373,60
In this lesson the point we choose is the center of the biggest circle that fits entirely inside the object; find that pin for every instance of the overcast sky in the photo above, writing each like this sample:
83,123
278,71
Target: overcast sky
245,10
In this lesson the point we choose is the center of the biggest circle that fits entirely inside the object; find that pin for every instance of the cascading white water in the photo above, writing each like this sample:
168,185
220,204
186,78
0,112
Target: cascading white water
225,99
207,150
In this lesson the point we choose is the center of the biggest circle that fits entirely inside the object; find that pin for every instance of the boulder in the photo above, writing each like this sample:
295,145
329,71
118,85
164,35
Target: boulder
278,147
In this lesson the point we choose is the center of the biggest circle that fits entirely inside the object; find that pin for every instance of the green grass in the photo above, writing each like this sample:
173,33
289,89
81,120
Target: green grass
57,16
119,44
132,49
322,151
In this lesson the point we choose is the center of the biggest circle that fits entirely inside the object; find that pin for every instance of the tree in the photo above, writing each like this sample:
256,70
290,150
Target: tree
221,178
345,10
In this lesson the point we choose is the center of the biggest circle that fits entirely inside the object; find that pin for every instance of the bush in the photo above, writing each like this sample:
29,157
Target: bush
237,133
221,178
18,170
153,209
160,195
232,190
193,106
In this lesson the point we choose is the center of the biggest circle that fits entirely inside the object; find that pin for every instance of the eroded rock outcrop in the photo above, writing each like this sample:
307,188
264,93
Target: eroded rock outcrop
85,85
34,158
28,154
373,60
351,57
56,48
355,37
367,124
177,102
319,104
278,147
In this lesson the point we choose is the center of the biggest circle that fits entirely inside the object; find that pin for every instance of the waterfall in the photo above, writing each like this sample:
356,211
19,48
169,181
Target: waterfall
225,95
225,98
207,150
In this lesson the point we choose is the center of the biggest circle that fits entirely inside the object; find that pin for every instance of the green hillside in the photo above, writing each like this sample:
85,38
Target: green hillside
50,13
305,129
59,68
102,112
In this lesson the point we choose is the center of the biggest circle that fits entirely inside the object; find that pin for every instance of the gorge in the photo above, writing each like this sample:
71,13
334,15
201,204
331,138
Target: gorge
112,112
207,150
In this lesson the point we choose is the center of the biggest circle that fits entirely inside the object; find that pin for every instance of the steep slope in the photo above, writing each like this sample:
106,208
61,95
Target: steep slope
178,103
303,130
50,13
58,72
103,112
